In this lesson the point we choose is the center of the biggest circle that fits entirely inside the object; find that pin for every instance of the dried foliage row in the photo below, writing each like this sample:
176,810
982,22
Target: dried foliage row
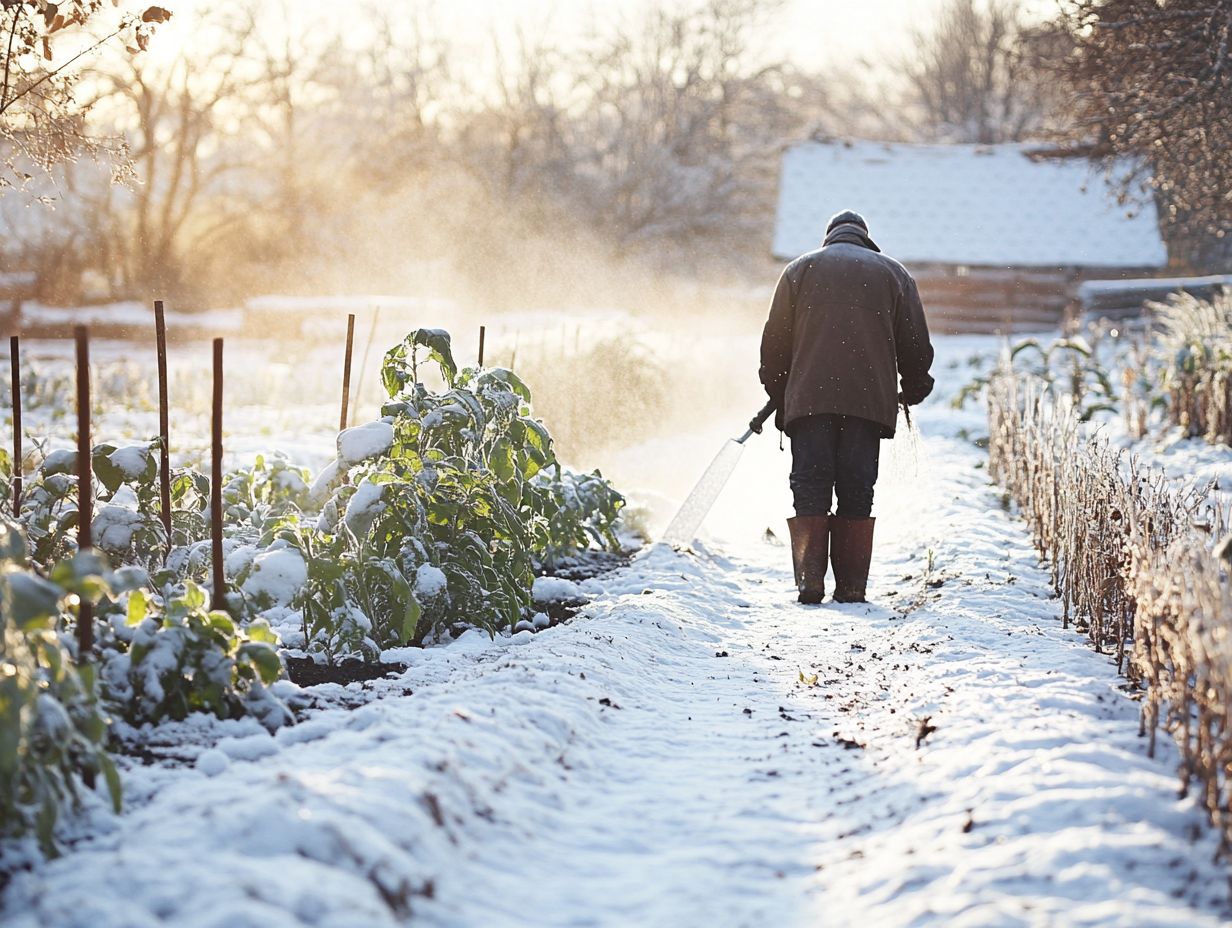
1133,561
1193,347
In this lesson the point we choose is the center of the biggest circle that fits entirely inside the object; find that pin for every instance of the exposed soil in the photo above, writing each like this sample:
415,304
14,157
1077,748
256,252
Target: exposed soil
589,564
304,671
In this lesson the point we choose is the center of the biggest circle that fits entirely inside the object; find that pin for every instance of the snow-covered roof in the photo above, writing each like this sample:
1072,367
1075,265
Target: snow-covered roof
964,204
1150,285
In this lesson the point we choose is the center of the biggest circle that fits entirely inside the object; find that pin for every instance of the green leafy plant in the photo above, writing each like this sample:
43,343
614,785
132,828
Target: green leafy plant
257,497
52,731
449,503
584,510
183,658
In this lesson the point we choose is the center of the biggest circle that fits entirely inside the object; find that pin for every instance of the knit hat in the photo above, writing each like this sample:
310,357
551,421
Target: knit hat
844,217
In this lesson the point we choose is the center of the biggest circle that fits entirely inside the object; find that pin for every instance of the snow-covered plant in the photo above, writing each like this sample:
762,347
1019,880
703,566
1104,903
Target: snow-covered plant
180,657
1076,366
49,508
52,731
256,497
584,510
1193,351
333,624
441,509
127,524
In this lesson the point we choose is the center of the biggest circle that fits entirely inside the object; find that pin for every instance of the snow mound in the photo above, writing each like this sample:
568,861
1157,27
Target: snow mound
131,461
277,575
365,441
555,590
212,762
364,507
430,582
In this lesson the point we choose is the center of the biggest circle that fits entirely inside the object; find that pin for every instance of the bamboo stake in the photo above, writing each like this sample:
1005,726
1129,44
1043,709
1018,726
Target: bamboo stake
483,332
346,371
219,600
85,485
164,419
15,361
363,365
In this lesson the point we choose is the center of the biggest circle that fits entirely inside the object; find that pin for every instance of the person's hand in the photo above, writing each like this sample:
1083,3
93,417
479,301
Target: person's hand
910,397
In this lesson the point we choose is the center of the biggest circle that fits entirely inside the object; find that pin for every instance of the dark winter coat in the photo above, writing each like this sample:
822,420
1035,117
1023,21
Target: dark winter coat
845,324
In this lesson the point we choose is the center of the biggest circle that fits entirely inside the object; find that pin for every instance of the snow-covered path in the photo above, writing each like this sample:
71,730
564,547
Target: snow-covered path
661,761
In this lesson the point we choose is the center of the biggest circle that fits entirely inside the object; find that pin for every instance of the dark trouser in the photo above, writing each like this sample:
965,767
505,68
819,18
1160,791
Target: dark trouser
831,453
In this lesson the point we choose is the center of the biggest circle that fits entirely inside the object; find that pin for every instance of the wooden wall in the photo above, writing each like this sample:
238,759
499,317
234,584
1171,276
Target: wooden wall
987,300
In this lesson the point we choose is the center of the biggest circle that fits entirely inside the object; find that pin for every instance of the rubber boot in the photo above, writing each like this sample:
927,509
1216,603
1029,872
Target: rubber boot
851,549
810,554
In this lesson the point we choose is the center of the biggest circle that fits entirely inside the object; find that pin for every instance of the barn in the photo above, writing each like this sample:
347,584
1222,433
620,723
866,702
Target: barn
999,237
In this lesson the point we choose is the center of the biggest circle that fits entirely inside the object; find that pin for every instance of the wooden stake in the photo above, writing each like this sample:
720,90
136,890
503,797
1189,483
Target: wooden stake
85,485
219,600
483,331
346,371
15,362
164,419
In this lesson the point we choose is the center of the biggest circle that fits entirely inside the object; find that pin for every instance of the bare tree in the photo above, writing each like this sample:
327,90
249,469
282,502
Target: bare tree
972,76
41,119
663,130
188,128
1154,84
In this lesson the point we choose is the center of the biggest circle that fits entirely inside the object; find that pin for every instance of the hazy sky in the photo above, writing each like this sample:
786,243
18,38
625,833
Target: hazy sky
811,32
804,29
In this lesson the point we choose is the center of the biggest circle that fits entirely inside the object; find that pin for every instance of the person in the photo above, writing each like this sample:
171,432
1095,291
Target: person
846,323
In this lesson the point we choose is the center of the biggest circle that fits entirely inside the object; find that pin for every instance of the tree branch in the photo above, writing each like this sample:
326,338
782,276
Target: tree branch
50,74
8,58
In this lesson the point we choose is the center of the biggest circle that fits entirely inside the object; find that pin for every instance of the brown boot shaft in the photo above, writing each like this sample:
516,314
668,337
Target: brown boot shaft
810,555
851,550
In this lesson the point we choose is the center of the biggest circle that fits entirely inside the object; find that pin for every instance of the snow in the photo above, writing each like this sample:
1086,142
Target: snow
239,559
131,461
964,204
60,461
1090,288
430,582
212,762
129,313
554,589
277,575
365,441
667,758
114,527
364,506
252,747
323,481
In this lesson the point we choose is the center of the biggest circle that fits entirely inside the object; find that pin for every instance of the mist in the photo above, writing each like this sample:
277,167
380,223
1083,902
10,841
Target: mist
596,189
